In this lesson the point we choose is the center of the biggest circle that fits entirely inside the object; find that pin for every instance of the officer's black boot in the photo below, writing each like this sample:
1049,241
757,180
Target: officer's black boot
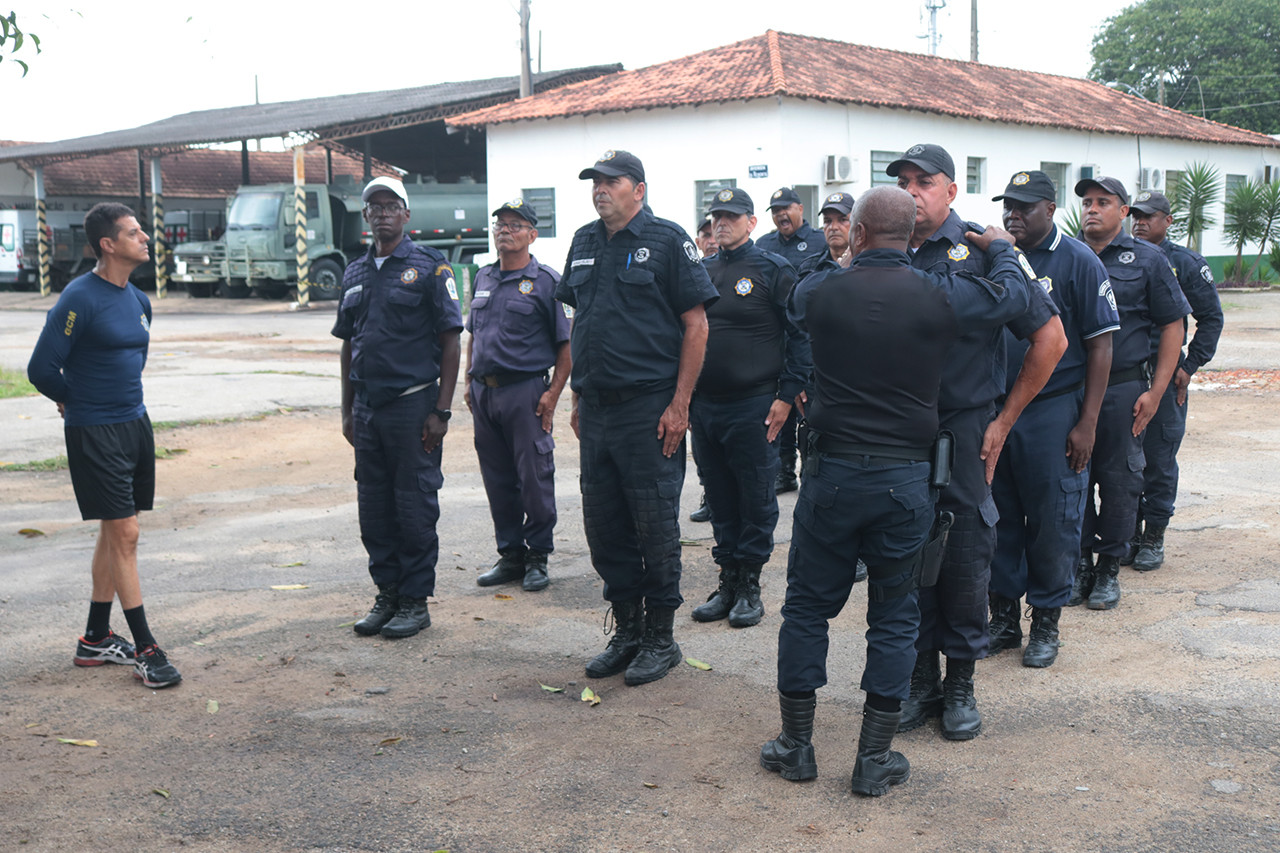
658,649
720,602
960,717
510,567
925,700
1042,647
1106,584
703,512
384,608
1131,550
628,625
747,607
790,754
411,617
1151,550
1006,624
786,481
877,767
535,571
1082,586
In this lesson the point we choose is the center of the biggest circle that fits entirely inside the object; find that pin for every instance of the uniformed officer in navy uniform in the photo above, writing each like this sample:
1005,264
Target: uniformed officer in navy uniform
1151,219
881,333
953,614
399,322
1043,473
707,247
795,239
757,363
639,335
1151,307
518,332
835,212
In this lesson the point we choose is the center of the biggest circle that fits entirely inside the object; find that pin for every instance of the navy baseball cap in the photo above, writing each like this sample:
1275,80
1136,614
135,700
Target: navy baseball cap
932,158
784,197
842,202
1150,201
1107,185
520,208
732,200
1029,187
614,164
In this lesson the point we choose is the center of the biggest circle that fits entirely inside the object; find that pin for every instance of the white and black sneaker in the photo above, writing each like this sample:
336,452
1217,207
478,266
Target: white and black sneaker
110,649
153,669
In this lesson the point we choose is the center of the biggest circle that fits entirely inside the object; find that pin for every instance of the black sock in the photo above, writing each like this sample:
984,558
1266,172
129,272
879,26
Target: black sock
883,703
99,621
138,627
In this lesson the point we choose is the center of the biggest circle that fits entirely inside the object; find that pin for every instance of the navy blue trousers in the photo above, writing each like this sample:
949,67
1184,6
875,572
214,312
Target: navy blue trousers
516,463
631,499
848,510
738,468
396,486
1116,471
1041,503
953,614
1160,445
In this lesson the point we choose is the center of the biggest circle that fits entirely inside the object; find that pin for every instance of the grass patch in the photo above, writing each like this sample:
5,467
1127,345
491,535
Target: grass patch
57,463
13,383
156,426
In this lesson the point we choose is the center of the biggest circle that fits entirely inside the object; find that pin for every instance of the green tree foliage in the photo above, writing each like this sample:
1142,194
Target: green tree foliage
1198,187
1244,221
11,33
1229,49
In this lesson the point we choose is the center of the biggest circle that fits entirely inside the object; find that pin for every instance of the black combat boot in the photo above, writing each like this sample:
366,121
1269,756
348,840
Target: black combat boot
1006,624
1106,584
790,754
1131,549
1151,550
1042,647
925,700
658,650
535,571
877,767
960,717
703,512
747,608
628,625
510,567
720,602
787,481
384,608
411,617
1082,585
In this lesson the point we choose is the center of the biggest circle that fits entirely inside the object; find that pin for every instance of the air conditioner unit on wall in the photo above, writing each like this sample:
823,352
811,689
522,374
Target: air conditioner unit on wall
1089,172
1151,179
840,169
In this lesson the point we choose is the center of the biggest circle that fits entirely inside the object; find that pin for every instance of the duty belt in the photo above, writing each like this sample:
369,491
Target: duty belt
1070,389
1129,374
497,380
741,394
879,454
616,397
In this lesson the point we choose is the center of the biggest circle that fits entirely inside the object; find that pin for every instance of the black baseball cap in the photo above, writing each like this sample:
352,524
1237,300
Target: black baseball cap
1107,185
613,164
784,197
732,200
1029,187
1150,201
842,202
932,158
520,208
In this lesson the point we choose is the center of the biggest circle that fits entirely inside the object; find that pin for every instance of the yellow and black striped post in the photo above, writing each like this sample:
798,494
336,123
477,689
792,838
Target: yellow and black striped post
300,224
42,234
159,245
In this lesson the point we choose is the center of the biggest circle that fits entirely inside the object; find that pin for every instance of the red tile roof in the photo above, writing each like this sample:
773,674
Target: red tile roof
812,68
195,173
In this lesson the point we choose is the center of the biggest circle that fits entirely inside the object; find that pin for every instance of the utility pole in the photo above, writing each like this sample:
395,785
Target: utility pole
973,31
1160,90
933,6
526,76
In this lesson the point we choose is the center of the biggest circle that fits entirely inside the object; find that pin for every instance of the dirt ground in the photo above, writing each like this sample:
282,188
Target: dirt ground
1156,730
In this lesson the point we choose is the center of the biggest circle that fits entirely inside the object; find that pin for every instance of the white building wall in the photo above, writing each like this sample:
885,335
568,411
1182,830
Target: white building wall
793,139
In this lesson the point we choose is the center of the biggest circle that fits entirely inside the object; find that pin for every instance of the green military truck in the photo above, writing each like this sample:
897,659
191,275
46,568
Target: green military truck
258,253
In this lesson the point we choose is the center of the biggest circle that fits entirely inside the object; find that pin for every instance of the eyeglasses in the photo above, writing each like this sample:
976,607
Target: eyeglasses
378,209
513,227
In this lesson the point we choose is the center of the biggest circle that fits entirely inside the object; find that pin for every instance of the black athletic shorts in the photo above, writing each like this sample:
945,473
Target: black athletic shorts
113,468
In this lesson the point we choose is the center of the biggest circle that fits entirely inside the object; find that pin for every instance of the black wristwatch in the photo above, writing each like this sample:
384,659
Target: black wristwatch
442,414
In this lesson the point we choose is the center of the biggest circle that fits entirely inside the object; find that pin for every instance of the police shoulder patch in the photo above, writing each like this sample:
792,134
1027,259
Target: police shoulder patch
958,252
1104,290
690,251
743,287
146,324
1026,266
568,311
1206,273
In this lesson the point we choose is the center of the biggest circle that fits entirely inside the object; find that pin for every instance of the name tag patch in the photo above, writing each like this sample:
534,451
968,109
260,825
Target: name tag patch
583,262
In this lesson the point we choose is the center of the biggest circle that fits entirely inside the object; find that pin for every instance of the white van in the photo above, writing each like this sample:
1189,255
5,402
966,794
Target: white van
10,248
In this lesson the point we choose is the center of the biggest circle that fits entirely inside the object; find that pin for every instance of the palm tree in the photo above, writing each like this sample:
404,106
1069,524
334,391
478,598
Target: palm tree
1197,188
1070,224
1269,223
1244,215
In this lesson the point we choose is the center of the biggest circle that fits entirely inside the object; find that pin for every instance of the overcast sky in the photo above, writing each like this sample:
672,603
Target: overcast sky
109,66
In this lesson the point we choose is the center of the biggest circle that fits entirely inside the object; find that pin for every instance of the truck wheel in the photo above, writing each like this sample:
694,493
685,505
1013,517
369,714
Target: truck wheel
233,288
200,289
326,279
